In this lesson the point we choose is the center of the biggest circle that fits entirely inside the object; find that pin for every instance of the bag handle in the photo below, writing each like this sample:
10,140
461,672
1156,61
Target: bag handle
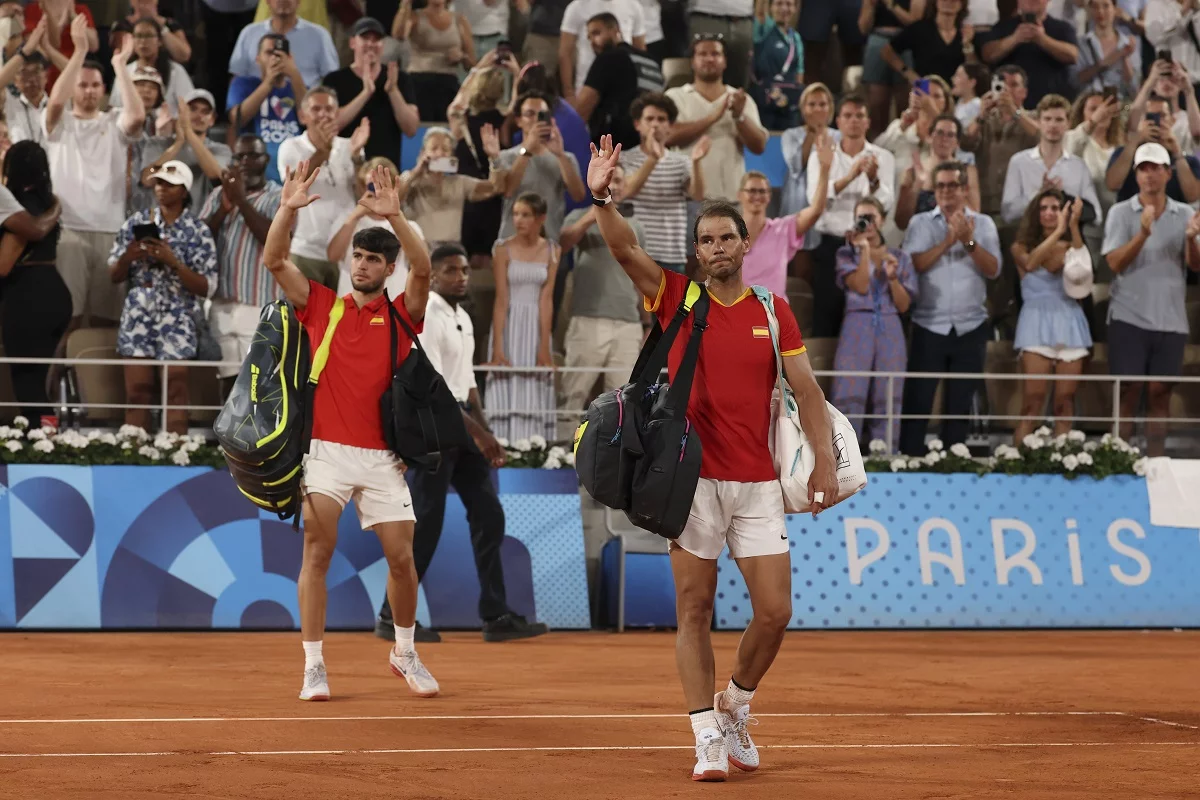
681,389
654,353
393,317
321,357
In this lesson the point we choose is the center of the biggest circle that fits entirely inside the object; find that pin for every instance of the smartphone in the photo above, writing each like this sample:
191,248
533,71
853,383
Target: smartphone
503,47
1029,19
146,231
1155,118
1109,92
1163,55
282,46
449,166
921,85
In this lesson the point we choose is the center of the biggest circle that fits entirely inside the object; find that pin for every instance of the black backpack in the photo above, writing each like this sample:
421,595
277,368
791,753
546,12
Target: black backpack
636,451
421,418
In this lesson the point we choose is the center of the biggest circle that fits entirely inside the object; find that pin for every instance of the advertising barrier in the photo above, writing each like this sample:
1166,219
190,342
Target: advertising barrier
960,551
178,547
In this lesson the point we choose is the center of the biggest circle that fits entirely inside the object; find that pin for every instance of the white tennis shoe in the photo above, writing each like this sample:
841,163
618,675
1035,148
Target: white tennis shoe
408,666
712,759
742,752
316,685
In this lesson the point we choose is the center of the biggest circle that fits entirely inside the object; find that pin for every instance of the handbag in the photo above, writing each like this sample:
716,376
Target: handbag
794,457
421,418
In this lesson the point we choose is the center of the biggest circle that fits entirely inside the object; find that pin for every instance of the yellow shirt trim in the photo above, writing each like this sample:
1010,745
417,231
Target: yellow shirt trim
662,286
744,295
787,353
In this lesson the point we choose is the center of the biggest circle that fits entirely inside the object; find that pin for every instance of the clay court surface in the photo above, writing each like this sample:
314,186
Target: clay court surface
597,715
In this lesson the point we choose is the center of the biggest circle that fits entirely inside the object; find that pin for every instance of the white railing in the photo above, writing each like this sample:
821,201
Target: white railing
891,413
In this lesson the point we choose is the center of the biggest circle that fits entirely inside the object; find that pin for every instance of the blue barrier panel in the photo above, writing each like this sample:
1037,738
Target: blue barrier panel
959,551
179,547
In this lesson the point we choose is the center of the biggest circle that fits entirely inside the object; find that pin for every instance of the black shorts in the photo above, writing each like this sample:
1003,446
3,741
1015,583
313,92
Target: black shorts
1137,351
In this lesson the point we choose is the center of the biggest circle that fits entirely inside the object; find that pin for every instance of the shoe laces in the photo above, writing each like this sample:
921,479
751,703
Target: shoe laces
315,675
708,748
410,662
740,721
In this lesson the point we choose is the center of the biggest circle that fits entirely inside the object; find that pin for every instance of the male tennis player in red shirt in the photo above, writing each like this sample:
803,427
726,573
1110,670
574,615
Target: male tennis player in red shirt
348,458
738,500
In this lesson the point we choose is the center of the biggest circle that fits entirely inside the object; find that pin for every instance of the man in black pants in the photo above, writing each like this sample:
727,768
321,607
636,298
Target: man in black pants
449,340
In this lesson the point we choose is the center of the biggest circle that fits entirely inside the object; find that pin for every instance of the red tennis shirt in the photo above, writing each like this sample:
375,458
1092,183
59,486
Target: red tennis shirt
346,409
730,404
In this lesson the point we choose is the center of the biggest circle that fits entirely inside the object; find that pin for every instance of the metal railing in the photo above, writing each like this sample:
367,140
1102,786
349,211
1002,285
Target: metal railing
1113,419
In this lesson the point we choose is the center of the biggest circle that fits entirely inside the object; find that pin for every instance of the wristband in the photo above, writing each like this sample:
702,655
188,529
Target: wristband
601,202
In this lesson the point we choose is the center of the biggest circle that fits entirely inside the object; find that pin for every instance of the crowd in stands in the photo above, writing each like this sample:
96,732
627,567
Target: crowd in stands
981,168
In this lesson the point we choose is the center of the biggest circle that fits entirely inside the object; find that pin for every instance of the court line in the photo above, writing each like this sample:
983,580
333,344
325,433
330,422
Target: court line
428,750
447,717
1172,724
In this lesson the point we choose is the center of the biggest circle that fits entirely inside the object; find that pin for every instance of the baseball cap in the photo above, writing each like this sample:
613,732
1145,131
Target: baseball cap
201,94
367,25
175,172
1078,276
1151,153
150,74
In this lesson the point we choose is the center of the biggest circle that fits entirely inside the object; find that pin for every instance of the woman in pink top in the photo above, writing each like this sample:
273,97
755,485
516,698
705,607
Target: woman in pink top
774,242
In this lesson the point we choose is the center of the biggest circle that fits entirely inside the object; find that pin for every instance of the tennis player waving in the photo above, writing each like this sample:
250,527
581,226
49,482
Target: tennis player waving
348,458
738,501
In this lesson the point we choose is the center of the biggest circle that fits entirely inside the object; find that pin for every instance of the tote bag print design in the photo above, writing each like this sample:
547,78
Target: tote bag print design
794,457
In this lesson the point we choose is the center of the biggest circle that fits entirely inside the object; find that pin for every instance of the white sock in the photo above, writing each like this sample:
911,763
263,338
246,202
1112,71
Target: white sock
404,638
736,697
312,654
706,718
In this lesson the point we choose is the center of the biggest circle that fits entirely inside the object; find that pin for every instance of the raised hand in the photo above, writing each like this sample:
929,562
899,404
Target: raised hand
385,200
393,77
1076,211
871,167
555,143
490,138
321,137
358,139
602,166
1149,215
232,187
1193,228
825,152
1051,182
295,187
737,102
890,266
79,27
655,148
701,148
161,252
34,40
968,33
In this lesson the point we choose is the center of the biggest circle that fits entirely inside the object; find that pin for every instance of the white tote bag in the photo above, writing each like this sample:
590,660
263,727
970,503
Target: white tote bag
794,457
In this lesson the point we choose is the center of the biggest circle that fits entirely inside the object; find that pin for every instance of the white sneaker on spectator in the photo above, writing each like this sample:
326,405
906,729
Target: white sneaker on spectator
712,759
742,752
408,666
316,685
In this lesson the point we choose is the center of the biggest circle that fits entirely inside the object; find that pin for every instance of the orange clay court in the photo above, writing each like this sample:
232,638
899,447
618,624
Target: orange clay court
598,715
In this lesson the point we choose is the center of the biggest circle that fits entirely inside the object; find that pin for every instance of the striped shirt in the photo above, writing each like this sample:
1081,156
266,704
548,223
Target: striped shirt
661,205
242,277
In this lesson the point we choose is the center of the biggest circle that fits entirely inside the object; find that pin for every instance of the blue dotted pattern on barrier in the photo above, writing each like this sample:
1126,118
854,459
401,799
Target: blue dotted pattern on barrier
1114,578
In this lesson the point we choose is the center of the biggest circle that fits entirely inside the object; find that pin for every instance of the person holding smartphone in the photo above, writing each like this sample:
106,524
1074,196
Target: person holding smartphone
1045,47
1170,28
269,106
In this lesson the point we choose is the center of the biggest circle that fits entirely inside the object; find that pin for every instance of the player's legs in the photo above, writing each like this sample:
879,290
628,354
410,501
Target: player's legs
769,582
321,514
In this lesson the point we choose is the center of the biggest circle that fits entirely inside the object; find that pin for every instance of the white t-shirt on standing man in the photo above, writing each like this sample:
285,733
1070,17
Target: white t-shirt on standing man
335,185
88,159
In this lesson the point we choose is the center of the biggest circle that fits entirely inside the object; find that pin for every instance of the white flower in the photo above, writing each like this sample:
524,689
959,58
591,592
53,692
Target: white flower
878,446
1085,459
180,457
36,435
898,464
1060,440
1076,436
94,434
1139,466
21,422
195,439
960,450
127,445
557,451
43,446
49,430
165,441
1006,452
1070,463
500,440
538,442
522,445
1056,457
915,463
8,433
1042,431
107,438
935,445
189,447
569,459
1106,438
149,452
1034,441
552,463
132,432
14,446
1090,446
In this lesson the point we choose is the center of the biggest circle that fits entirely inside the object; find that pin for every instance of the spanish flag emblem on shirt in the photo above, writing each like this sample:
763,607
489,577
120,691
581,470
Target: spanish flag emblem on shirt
377,320
761,332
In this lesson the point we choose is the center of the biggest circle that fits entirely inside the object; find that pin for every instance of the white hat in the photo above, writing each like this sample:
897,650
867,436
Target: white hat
175,172
149,74
1077,273
1151,153
201,94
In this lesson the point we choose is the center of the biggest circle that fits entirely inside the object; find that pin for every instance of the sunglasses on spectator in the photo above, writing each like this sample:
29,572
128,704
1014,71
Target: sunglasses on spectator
248,156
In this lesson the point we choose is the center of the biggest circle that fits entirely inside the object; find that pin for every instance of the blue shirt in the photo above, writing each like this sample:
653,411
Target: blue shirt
1150,292
276,120
191,241
311,45
952,293
1174,190
778,53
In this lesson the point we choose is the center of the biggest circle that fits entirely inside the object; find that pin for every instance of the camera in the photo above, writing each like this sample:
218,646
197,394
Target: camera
998,85
862,224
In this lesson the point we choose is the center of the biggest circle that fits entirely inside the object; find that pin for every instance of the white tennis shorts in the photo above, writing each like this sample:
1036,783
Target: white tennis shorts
749,517
1067,354
371,478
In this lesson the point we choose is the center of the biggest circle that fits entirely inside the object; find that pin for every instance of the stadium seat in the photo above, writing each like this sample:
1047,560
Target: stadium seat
98,383
1003,394
820,354
676,71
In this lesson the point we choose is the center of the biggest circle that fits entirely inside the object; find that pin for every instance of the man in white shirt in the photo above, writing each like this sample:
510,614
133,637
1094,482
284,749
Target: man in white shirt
859,170
338,159
88,153
23,109
488,20
1172,25
449,340
733,21
723,113
575,54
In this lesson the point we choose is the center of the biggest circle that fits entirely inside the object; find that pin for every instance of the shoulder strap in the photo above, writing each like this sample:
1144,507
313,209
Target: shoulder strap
681,388
395,315
768,300
654,353
321,357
